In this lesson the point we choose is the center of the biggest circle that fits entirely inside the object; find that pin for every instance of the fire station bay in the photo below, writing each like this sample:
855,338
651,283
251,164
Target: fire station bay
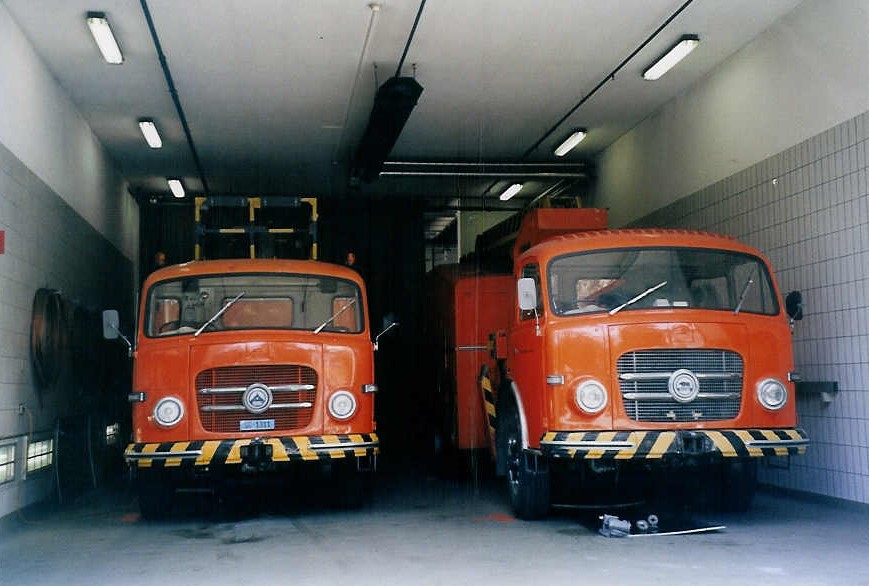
434,292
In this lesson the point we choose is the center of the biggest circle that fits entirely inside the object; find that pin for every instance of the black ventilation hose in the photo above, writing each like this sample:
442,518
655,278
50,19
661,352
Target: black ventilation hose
46,337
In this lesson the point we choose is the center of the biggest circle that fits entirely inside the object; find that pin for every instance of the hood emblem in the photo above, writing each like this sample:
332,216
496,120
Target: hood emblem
683,385
257,398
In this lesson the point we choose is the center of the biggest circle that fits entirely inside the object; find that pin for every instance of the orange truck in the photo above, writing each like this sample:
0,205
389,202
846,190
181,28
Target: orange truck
607,358
250,367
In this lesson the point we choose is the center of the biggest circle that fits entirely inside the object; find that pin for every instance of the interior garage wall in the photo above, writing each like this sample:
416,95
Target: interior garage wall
772,149
801,77
69,225
807,209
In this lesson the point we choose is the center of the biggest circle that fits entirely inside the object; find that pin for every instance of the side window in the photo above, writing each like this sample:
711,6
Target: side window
532,271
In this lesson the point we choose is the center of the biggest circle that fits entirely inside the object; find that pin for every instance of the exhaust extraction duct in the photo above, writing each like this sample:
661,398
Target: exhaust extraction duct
393,103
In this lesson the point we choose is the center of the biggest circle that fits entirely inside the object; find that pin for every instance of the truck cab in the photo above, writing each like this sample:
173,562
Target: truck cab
650,347
250,367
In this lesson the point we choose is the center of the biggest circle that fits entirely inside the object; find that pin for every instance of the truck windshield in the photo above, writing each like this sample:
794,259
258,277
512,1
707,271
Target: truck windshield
691,278
269,301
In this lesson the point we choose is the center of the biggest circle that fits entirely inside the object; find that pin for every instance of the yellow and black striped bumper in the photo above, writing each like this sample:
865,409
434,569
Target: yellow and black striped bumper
231,452
648,445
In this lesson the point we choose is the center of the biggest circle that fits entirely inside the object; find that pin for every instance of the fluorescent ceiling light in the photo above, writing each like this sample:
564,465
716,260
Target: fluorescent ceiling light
176,187
572,140
676,53
102,32
149,131
510,191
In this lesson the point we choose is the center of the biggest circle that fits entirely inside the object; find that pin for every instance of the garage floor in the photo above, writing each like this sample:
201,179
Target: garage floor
422,530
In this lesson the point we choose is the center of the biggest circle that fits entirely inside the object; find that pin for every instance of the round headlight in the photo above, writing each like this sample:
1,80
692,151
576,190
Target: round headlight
168,411
342,405
772,394
591,396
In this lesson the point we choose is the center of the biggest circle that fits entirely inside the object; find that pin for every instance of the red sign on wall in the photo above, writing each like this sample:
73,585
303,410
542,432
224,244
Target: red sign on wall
2,241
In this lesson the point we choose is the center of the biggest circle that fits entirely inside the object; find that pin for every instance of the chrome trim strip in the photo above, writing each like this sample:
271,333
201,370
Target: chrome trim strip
344,446
471,348
776,443
221,408
162,455
227,390
666,395
591,445
632,376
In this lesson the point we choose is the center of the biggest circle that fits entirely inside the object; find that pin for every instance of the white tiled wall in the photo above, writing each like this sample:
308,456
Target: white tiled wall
807,209
47,244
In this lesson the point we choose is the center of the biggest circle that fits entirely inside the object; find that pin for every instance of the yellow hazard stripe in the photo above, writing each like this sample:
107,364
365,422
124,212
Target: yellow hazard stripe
729,443
229,452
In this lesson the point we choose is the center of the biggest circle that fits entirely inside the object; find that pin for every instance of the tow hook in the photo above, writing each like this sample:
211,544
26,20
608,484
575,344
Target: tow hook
256,456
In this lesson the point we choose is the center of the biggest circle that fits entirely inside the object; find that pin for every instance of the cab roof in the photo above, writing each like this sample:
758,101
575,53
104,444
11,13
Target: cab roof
253,265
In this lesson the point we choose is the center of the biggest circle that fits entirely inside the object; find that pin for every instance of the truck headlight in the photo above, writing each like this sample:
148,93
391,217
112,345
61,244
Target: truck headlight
591,396
168,411
342,405
772,394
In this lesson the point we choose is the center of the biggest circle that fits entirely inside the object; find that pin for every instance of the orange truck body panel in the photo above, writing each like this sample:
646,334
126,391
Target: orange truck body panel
473,309
170,365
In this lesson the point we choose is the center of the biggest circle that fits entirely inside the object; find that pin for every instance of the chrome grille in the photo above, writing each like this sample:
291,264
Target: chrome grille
644,374
219,392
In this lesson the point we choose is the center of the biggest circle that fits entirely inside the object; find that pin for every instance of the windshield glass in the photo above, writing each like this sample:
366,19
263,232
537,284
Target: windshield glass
262,301
627,279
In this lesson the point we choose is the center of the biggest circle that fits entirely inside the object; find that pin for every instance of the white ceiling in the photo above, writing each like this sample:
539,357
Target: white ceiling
275,106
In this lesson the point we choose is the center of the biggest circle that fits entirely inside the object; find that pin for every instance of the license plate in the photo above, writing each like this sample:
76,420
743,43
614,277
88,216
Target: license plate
256,424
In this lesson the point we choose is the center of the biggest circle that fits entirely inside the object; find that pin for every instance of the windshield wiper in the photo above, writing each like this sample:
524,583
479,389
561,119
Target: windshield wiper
320,327
615,310
742,296
226,306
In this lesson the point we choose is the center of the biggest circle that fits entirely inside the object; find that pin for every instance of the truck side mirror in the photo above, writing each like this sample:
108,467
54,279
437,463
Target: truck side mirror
110,324
794,305
111,329
527,293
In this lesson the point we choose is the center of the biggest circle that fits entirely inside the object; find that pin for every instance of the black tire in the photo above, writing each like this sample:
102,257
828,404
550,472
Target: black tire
527,473
738,485
156,495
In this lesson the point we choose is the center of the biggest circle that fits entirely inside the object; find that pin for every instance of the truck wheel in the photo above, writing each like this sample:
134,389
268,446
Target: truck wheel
156,494
738,485
527,473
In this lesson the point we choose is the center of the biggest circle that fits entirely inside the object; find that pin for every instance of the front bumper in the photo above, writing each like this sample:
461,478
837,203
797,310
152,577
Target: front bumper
192,454
649,445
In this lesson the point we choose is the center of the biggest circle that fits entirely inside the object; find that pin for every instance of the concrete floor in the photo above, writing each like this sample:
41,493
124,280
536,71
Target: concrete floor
422,530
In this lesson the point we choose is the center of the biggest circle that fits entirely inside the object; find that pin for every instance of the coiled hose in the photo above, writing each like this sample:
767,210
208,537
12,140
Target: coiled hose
46,337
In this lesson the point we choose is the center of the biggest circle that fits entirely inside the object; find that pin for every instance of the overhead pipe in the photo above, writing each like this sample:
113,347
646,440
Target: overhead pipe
610,76
375,10
174,93
493,173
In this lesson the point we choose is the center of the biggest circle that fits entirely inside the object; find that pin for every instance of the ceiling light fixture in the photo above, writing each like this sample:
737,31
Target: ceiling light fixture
574,139
149,131
676,53
510,192
176,187
102,32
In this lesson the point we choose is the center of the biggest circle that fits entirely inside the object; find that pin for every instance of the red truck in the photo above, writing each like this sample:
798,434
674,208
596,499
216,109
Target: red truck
250,367
614,356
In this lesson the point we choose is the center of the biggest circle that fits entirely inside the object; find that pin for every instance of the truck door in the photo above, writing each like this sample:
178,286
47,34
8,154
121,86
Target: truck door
525,358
